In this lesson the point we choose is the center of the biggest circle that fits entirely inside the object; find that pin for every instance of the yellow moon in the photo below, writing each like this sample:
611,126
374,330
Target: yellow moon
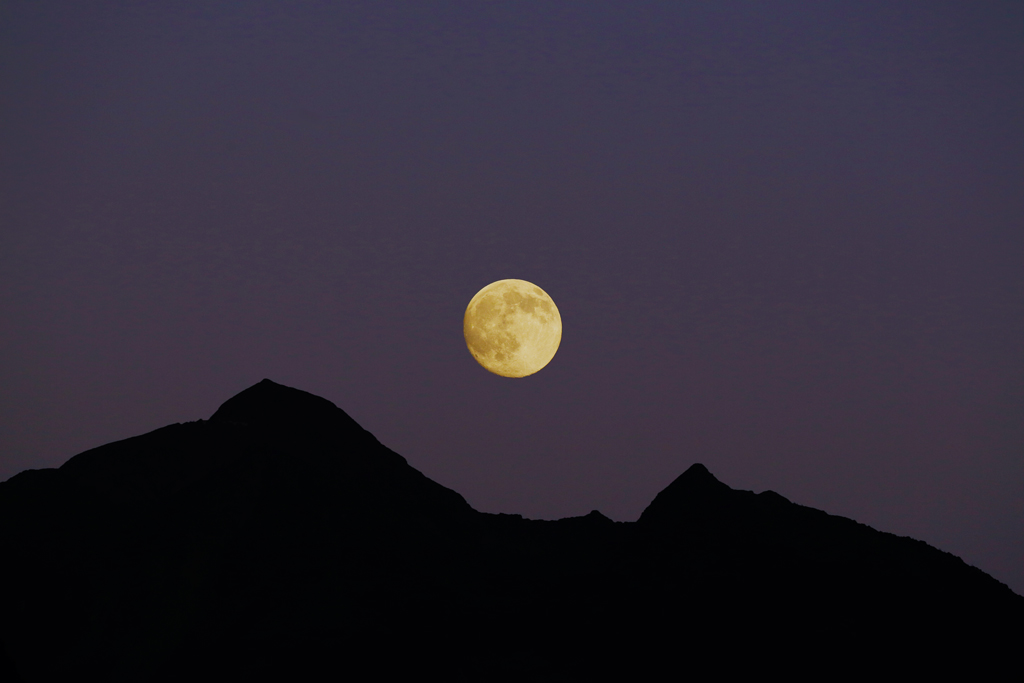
512,328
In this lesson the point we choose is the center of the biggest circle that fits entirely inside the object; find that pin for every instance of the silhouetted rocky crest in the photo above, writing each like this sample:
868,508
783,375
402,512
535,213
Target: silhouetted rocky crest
280,540
694,490
273,407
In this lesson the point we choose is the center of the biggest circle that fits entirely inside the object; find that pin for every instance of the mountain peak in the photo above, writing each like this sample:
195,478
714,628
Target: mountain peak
694,487
697,479
697,472
274,406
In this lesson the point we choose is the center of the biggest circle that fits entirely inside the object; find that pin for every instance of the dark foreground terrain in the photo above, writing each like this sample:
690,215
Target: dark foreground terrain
278,540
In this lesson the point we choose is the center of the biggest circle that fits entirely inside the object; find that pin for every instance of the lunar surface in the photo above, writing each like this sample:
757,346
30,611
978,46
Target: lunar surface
512,328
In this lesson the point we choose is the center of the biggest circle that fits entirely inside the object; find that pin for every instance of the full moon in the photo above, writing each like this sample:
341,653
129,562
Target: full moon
512,328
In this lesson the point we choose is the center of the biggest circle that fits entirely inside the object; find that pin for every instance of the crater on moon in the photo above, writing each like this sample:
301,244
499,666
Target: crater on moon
512,328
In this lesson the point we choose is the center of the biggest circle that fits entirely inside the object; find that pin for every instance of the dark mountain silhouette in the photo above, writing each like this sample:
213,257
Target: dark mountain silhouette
278,540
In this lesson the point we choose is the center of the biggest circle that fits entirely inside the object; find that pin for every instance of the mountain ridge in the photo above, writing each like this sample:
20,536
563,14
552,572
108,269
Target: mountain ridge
266,535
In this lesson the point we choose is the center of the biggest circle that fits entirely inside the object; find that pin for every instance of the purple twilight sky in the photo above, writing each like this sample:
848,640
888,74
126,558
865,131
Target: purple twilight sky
786,240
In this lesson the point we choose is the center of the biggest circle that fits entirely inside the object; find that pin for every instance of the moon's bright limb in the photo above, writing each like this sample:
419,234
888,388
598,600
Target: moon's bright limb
512,328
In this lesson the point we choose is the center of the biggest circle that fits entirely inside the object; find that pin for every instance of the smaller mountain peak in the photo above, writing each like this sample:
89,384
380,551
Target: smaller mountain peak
595,517
696,487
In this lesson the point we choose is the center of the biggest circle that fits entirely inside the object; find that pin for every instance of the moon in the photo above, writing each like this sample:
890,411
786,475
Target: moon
512,328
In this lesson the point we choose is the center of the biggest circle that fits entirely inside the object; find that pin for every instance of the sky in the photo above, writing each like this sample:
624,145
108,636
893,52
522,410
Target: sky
785,239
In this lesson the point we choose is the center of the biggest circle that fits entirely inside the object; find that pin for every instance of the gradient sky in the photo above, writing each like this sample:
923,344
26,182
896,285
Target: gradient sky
786,240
